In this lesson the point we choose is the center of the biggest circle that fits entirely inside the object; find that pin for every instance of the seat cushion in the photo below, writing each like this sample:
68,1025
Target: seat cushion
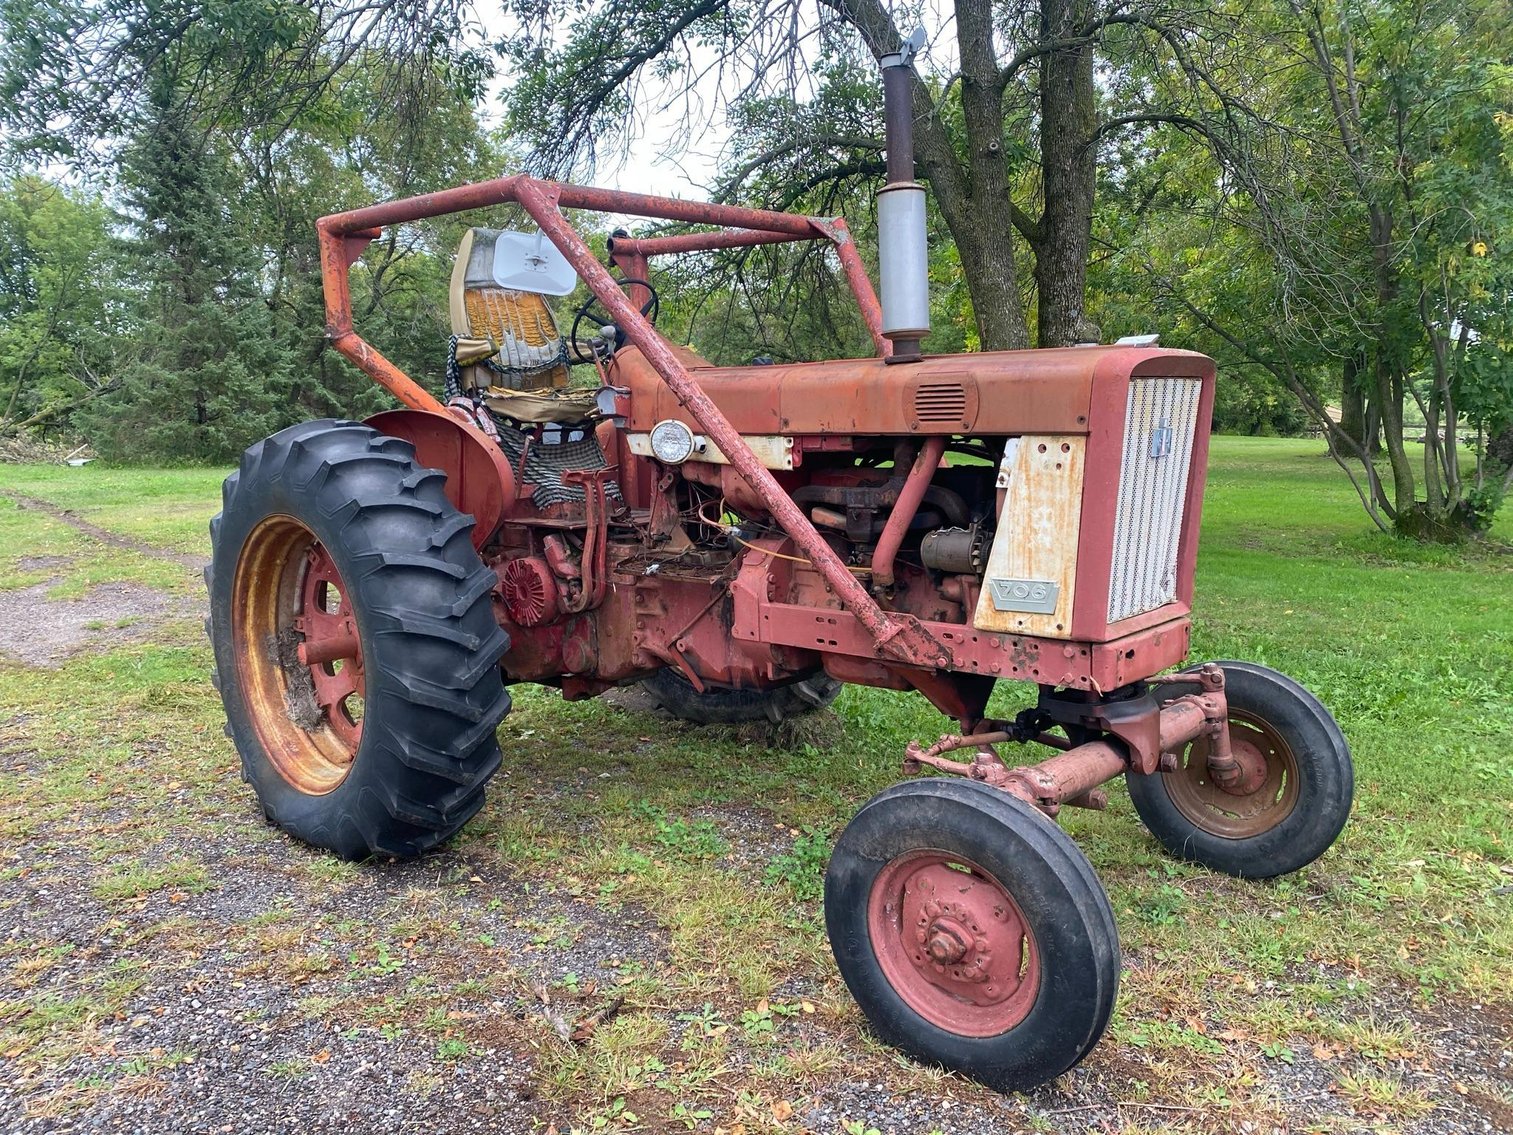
528,349
540,406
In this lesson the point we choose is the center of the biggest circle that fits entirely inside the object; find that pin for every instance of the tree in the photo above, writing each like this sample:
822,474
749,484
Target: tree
211,376
344,151
1008,142
76,75
1161,238
233,127
60,318
1360,227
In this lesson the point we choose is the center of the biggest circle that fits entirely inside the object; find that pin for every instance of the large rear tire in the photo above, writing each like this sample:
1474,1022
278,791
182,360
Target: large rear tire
1293,796
356,650
719,706
972,932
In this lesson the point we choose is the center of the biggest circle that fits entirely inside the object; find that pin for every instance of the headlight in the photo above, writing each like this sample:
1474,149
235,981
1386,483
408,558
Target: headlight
672,442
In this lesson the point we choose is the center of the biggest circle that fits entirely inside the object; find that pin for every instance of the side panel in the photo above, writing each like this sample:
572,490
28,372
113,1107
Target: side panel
1031,578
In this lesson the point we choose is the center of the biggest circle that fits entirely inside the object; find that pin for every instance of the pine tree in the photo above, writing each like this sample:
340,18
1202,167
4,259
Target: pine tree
212,375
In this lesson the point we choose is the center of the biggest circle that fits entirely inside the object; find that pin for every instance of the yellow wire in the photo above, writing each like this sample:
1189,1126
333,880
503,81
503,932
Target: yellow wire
796,559
730,531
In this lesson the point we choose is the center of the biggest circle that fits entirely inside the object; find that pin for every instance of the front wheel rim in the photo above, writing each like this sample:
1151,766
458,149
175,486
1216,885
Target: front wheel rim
953,943
299,655
1268,771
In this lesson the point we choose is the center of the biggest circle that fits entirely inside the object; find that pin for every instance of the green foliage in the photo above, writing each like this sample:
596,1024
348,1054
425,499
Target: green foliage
686,839
60,325
211,376
1337,210
348,149
234,127
803,868
788,302
79,77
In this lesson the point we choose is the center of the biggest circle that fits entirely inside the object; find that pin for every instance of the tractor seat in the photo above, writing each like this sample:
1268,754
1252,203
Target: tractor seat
507,345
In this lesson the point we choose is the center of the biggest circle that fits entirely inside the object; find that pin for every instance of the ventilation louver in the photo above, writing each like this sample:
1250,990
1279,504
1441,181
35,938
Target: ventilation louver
940,402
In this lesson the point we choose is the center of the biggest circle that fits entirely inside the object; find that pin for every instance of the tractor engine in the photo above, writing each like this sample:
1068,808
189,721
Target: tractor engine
1035,511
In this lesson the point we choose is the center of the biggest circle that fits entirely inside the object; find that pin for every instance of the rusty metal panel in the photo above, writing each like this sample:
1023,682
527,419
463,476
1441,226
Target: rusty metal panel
1031,579
684,243
1107,420
1091,666
935,398
480,481
1002,392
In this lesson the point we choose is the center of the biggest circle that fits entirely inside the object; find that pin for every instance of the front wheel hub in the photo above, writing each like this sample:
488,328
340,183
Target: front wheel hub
1260,793
953,944
948,941
1252,765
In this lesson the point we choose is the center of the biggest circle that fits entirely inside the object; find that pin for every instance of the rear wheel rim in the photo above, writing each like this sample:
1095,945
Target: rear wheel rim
1264,794
953,943
299,655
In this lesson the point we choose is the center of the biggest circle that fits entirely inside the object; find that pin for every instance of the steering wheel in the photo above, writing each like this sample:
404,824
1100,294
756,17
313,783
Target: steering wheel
593,310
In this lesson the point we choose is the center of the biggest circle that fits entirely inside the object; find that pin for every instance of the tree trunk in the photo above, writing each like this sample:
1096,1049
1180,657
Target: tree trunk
1353,401
973,200
987,250
1434,461
987,263
979,218
1068,167
1388,395
1387,379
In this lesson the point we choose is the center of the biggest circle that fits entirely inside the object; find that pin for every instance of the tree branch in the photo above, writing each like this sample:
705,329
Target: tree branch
795,145
1371,498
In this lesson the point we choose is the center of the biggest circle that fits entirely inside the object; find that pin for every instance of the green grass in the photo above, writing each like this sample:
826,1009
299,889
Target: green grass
716,840
36,548
165,507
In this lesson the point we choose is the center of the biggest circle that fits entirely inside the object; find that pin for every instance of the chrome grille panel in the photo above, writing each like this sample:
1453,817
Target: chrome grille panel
1159,425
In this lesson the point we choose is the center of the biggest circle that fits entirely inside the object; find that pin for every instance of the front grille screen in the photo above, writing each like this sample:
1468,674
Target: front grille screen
1159,425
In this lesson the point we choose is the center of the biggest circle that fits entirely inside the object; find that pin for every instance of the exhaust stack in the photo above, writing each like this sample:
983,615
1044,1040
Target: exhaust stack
903,255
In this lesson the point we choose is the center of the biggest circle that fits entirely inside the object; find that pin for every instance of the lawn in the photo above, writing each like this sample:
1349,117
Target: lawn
168,959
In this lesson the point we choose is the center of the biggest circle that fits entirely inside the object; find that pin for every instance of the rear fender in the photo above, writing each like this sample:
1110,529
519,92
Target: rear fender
479,479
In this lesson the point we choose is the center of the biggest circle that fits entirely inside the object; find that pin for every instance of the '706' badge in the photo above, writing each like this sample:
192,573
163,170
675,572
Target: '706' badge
1032,596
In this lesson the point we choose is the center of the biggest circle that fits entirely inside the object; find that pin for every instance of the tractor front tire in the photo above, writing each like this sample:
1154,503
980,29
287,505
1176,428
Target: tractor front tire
1294,795
719,706
972,932
356,650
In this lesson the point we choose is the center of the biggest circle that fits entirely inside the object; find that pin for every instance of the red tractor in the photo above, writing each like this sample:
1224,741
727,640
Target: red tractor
743,540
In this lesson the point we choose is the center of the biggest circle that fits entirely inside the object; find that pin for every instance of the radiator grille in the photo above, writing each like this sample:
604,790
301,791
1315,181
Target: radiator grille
1159,424
940,402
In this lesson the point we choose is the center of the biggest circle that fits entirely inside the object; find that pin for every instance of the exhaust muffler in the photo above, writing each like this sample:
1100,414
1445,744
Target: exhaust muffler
903,252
